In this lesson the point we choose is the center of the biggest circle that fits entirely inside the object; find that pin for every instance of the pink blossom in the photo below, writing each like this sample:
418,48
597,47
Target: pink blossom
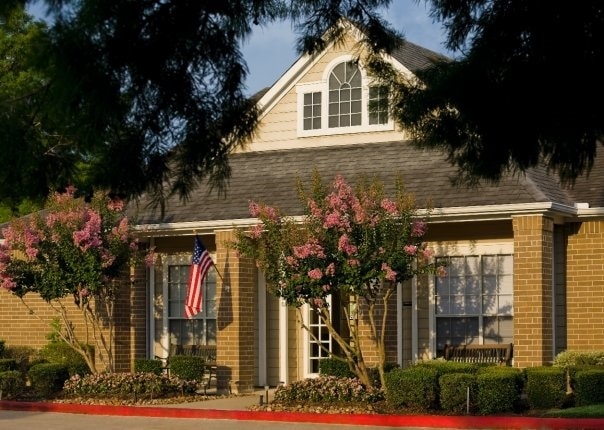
256,231
353,262
115,205
410,249
441,272
390,274
254,209
418,228
269,213
345,246
84,292
291,261
331,269
389,206
7,282
315,210
151,257
427,253
326,288
309,249
315,274
317,302
89,236
332,219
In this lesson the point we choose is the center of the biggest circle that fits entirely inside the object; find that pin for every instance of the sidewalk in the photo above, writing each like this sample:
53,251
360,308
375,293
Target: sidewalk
236,408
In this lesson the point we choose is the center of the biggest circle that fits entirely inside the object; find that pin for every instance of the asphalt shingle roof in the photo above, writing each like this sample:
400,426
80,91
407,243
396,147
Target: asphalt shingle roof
270,177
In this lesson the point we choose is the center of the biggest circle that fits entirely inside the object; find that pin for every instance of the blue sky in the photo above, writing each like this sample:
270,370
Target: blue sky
271,50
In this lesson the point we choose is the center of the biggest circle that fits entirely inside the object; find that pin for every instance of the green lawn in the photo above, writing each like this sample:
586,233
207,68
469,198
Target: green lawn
591,411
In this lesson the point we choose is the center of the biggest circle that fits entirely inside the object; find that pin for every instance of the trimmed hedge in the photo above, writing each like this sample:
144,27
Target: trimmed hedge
63,353
446,367
334,367
546,387
24,356
454,392
187,367
11,383
7,364
415,388
499,389
47,379
589,388
579,358
146,365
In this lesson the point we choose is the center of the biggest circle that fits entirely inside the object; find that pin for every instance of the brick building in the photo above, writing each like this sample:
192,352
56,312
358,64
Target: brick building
525,256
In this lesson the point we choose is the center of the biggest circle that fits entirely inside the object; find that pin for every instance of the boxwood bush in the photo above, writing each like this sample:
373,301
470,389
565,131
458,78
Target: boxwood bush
62,353
579,358
187,367
7,364
11,383
499,389
454,392
333,367
415,388
47,379
589,387
146,365
545,387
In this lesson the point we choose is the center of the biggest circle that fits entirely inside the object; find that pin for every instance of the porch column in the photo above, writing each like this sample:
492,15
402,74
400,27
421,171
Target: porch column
533,265
237,318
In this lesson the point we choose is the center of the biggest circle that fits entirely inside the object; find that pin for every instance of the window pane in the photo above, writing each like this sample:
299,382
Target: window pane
356,119
345,95
355,107
308,99
344,108
506,264
506,284
307,111
458,286
489,304
489,284
472,266
355,94
473,285
456,266
489,264
344,121
473,305
334,121
442,286
442,305
307,124
316,123
316,98
506,305
457,305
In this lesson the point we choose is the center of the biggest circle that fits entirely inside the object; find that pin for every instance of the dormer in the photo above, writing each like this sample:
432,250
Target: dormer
340,102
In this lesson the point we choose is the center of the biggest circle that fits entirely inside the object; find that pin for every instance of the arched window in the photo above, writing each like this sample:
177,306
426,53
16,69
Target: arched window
345,96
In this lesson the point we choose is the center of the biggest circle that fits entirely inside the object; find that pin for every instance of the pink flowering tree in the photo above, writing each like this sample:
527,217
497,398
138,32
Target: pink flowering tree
354,245
73,252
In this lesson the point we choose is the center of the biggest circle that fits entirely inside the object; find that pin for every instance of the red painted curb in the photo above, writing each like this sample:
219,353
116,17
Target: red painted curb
438,421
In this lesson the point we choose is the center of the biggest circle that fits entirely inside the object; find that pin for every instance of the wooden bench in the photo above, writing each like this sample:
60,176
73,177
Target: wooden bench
496,353
206,352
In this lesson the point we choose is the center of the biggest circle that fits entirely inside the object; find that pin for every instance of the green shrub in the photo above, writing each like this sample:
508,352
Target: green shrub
579,358
11,383
187,367
545,387
7,364
454,392
444,367
146,365
2,342
573,370
415,388
326,389
63,353
334,367
589,387
47,379
499,389
24,356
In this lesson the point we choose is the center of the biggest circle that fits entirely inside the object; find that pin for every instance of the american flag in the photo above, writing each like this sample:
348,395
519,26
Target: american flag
200,264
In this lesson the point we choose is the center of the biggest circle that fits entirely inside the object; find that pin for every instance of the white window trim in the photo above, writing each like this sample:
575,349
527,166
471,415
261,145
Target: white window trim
460,250
171,260
322,86
306,340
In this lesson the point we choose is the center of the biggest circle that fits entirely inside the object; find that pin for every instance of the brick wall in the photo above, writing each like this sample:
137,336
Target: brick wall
585,286
533,253
237,317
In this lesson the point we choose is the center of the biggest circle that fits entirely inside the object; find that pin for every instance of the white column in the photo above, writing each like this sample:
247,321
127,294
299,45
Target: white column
262,343
283,329
399,324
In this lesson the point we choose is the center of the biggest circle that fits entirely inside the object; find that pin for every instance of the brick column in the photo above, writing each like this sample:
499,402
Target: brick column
533,259
236,319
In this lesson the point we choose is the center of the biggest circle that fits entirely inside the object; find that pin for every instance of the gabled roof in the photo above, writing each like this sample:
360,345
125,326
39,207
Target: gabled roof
270,177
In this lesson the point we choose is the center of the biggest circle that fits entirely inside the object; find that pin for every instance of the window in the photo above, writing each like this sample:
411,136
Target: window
474,301
312,111
200,330
378,105
319,343
343,101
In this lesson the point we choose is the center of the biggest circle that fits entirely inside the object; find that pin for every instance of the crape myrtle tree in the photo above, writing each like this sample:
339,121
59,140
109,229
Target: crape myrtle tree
74,252
355,245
